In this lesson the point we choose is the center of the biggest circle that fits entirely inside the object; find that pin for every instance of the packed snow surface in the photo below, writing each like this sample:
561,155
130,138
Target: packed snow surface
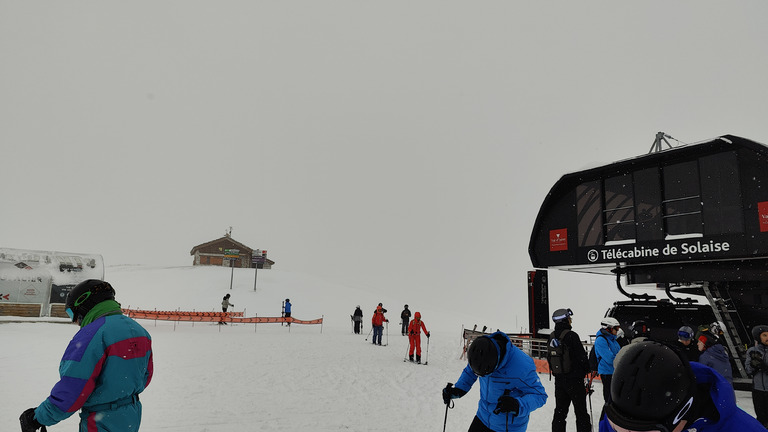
268,377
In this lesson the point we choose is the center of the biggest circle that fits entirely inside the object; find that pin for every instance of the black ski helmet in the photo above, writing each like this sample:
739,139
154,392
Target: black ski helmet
562,315
640,328
485,353
85,295
652,388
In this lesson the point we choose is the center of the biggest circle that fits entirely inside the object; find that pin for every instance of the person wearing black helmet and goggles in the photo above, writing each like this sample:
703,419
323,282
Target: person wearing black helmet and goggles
510,388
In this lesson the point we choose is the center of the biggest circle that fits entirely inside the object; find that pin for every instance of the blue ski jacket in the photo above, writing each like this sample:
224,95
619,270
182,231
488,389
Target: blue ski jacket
606,348
104,368
732,418
516,372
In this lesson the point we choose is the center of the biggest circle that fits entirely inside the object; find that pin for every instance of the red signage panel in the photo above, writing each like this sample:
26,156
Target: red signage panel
762,210
558,240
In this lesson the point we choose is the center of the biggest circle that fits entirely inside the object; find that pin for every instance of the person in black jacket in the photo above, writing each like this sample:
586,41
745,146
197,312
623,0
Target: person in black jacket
357,318
405,316
686,345
569,386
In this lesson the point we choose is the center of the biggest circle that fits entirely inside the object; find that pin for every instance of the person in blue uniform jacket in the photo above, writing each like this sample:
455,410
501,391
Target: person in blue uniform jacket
103,370
287,310
655,388
606,349
510,388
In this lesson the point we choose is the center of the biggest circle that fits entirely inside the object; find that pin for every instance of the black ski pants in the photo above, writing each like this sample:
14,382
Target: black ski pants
606,379
478,426
760,402
570,391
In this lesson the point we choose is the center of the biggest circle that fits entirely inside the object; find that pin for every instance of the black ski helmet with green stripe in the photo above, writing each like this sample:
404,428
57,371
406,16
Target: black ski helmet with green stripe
85,295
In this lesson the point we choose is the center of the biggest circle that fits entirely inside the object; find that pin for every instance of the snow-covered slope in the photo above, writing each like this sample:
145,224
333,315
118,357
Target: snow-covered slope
267,377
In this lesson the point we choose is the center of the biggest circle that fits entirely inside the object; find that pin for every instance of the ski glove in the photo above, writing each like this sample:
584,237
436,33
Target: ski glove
507,404
756,364
427,335
451,392
28,422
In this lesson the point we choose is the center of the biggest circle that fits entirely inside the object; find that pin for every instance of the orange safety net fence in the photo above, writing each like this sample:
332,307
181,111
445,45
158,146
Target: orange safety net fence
132,312
233,317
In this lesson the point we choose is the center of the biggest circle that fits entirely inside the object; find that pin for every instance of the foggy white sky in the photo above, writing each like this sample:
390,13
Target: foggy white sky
382,143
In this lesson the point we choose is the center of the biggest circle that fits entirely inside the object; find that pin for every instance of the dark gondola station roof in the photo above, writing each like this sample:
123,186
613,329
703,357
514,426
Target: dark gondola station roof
681,213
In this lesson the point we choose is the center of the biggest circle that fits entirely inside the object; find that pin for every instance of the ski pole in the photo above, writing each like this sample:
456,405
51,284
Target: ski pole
387,332
447,406
407,349
426,357
589,395
369,333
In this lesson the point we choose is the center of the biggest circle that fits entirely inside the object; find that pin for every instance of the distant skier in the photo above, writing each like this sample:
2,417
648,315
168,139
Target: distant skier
405,317
381,305
225,304
357,317
287,309
414,336
377,322
103,370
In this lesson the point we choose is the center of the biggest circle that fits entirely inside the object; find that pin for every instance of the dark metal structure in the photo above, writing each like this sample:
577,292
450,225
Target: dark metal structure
690,219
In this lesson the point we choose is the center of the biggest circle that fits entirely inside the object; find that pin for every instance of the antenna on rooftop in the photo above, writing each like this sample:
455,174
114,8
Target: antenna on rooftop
660,137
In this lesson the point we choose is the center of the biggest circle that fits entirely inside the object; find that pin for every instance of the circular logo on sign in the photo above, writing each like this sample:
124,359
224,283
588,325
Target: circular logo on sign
592,255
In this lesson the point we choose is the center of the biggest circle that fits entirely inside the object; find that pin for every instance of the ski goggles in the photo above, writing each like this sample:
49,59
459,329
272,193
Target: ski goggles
622,422
684,335
70,313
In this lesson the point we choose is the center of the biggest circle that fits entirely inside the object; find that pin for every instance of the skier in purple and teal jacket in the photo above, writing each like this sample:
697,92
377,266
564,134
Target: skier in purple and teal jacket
103,370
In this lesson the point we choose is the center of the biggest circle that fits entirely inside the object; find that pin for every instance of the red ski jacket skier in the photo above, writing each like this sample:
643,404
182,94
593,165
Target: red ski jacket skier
378,317
378,321
414,336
